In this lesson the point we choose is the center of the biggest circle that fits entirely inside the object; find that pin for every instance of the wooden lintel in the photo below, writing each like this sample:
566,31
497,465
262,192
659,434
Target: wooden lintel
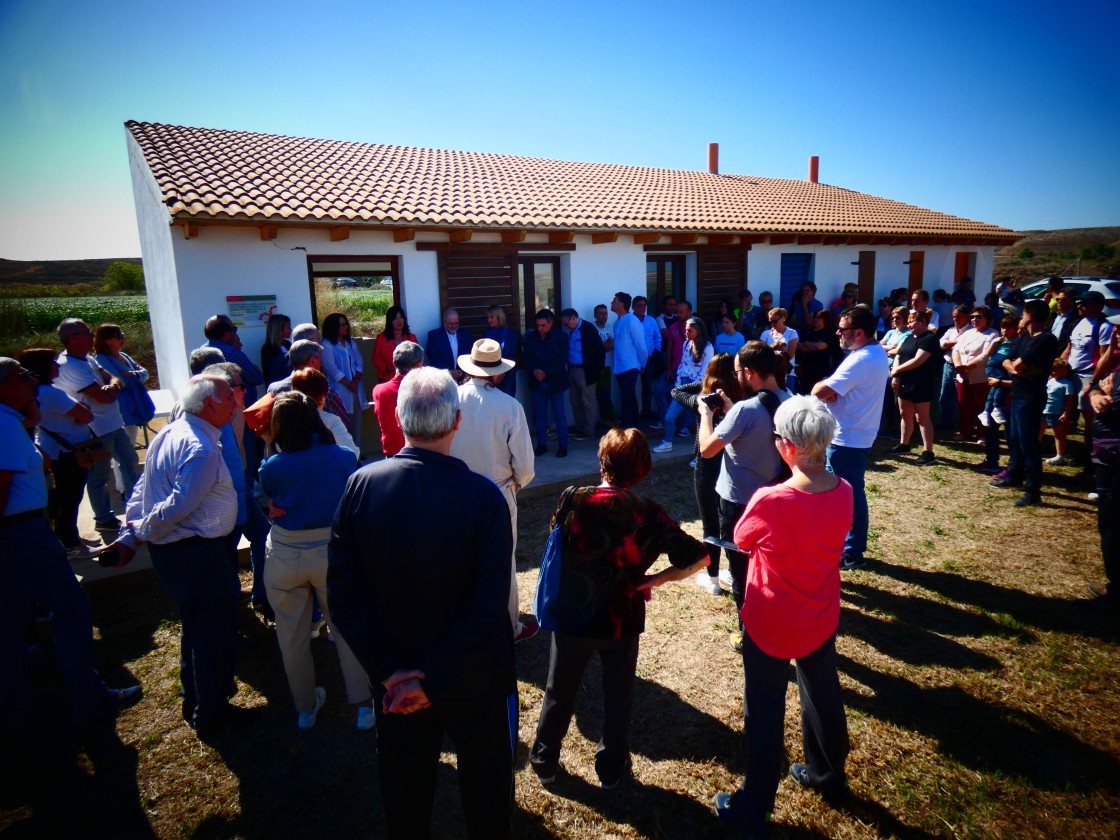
511,237
810,240
268,232
782,239
340,233
721,239
684,238
603,238
646,238
561,237
459,235
404,235
752,238
190,229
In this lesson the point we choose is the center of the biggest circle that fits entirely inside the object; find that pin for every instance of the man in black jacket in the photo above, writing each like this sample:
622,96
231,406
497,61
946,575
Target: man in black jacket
440,655
586,358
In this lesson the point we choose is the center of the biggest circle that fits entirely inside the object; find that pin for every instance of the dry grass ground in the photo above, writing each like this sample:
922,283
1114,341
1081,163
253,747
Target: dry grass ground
982,698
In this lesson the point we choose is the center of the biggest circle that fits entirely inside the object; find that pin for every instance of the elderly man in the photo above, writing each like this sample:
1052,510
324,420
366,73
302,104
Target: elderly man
184,507
305,353
221,333
408,355
440,654
586,359
35,571
447,343
854,393
85,381
493,440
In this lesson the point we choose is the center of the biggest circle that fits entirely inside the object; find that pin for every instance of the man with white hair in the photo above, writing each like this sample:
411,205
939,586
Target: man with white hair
184,506
494,441
439,655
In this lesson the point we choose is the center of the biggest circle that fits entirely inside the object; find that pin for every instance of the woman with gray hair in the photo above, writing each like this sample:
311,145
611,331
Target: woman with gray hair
795,533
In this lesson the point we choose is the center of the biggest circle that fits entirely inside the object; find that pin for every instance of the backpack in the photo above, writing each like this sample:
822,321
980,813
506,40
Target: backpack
771,402
548,579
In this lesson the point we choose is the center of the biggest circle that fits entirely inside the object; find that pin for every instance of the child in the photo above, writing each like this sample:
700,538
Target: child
997,403
729,339
1061,405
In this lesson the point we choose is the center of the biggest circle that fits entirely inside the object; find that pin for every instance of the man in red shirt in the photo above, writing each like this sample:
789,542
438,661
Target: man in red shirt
407,356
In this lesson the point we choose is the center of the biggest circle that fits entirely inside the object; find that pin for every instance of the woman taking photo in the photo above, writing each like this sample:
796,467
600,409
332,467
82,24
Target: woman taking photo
396,331
720,376
509,340
791,610
276,343
698,352
915,378
342,365
784,341
305,480
62,423
611,538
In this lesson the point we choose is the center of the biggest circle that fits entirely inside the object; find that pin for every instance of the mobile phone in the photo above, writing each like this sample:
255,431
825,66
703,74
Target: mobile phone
712,400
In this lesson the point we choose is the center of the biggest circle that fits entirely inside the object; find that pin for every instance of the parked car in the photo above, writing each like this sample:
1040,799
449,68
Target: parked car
344,283
1080,285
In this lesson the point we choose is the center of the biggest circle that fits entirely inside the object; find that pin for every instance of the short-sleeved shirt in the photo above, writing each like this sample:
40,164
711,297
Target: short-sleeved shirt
791,604
53,405
858,383
725,343
750,458
28,490
75,374
1082,355
929,370
1038,353
1057,392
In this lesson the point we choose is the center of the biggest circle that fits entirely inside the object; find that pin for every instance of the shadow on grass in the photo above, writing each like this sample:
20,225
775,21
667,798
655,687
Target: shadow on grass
907,640
1038,611
983,735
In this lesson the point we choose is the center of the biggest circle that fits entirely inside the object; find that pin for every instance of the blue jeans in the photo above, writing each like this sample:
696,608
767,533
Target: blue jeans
541,402
850,464
1025,421
34,570
97,482
662,400
199,579
947,402
674,411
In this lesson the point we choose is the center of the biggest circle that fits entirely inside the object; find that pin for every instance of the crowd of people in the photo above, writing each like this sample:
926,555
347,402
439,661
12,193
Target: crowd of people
782,406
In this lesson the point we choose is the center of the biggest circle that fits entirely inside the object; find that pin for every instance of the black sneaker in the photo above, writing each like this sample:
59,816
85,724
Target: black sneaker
1005,482
901,449
848,563
800,774
925,459
1028,500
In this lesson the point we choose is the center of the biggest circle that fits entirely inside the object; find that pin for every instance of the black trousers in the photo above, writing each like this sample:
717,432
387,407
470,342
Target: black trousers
707,500
1108,520
66,497
729,515
567,661
824,727
484,733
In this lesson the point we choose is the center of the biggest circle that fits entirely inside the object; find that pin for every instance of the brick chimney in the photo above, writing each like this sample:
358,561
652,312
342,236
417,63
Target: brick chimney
814,166
713,158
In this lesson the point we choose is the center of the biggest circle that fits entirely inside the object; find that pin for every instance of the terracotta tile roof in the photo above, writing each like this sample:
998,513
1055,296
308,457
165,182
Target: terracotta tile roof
214,173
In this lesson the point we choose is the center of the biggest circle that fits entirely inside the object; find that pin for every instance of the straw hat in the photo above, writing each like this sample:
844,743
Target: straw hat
485,359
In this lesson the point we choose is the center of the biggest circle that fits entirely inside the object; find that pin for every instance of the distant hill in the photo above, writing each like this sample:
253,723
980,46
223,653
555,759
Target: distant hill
1057,252
57,272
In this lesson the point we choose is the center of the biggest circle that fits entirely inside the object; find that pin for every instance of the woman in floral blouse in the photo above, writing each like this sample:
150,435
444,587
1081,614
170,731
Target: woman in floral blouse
611,538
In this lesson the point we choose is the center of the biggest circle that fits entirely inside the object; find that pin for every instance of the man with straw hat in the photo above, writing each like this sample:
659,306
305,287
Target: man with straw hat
493,439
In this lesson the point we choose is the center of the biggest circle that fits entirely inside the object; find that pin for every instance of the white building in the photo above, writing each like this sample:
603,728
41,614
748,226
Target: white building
231,213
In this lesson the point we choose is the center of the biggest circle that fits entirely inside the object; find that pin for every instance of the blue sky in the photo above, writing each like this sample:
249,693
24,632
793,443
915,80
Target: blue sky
997,111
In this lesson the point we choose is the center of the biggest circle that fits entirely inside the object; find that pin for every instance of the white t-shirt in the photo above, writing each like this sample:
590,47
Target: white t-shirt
859,381
1081,344
76,374
53,405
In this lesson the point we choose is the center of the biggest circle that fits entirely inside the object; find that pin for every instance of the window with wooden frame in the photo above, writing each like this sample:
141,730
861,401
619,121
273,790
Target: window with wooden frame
664,276
356,285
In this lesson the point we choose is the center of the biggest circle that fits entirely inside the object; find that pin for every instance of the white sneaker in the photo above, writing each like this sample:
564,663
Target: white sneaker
1056,461
664,446
366,718
983,418
709,584
725,577
1092,497
307,719
999,416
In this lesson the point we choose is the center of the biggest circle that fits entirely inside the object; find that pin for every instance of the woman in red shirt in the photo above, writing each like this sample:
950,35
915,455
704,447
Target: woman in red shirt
396,331
791,610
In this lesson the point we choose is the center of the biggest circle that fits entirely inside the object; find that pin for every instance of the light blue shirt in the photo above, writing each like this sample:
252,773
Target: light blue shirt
575,345
186,489
630,343
28,490
652,334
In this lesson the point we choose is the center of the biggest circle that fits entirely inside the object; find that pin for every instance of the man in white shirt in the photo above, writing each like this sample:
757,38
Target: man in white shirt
854,393
947,400
919,302
494,441
603,386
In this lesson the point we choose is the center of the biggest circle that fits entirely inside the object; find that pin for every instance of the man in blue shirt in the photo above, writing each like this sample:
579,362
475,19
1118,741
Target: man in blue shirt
654,365
221,333
35,571
630,356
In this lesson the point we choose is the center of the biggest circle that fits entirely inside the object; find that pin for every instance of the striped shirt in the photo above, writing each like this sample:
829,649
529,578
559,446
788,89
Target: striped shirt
186,489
